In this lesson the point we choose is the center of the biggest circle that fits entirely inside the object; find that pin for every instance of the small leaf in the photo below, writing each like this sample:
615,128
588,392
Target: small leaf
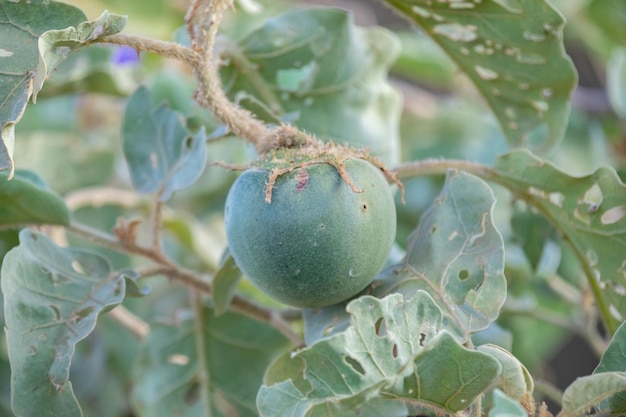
393,352
21,23
54,45
52,297
25,199
225,283
238,350
513,53
589,391
456,255
504,406
316,65
162,155
614,360
591,216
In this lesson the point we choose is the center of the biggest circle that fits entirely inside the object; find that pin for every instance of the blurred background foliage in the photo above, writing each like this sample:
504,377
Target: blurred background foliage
71,138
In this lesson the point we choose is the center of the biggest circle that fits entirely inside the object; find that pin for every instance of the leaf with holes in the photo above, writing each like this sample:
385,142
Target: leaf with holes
456,255
54,45
26,199
393,352
52,298
513,52
162,155
21,24
237,350
589,211
315,66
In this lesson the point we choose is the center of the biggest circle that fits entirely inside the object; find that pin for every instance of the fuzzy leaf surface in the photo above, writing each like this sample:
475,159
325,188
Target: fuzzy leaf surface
237,349
591,215
162,155
390,354
512,50
26,199
590,391
52,298
317,68
21,24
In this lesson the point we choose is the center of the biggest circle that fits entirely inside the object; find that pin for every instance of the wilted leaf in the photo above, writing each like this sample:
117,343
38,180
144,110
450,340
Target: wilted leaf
54,45
456,255
513,52
21,23
316,66
238,350
514,379
588,391
162,155
614,359
26,200
52,297
393,351
589,211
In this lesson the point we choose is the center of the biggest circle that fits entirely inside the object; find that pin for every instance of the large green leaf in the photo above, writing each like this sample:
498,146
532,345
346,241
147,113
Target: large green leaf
457,255
512,50
393,352
162,155
237,351
315,66
614,360
26,200
52,298
589,211
54,45
21,23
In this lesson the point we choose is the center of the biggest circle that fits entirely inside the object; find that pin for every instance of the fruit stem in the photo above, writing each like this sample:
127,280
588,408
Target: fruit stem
203,21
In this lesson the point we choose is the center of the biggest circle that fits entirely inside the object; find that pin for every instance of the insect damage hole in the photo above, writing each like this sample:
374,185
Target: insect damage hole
364,206
463,274
354,364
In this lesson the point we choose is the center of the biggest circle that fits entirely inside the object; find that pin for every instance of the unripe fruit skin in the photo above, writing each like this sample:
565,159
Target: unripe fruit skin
317,242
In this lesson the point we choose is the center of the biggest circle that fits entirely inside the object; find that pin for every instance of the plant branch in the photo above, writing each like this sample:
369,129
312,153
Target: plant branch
203,22
167,49
130,321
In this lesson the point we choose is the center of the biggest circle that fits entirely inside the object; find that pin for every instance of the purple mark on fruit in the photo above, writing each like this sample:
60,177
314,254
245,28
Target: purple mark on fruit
303,179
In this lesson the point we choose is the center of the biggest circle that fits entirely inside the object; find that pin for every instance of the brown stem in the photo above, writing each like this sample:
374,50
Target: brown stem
167,49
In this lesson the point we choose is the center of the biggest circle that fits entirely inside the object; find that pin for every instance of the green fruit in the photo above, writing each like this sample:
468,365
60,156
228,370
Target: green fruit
318,242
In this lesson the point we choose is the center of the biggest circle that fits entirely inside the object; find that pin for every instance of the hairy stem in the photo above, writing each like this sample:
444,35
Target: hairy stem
207,17
167,49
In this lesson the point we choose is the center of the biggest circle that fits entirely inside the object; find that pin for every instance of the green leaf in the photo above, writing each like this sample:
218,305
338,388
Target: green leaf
589,211
514,379
512,50
504,406
589,391
52,297
225,283
54,45
614,360
25,199
456,255
21,23
238,350
616,81
315,64
162,155
393,352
